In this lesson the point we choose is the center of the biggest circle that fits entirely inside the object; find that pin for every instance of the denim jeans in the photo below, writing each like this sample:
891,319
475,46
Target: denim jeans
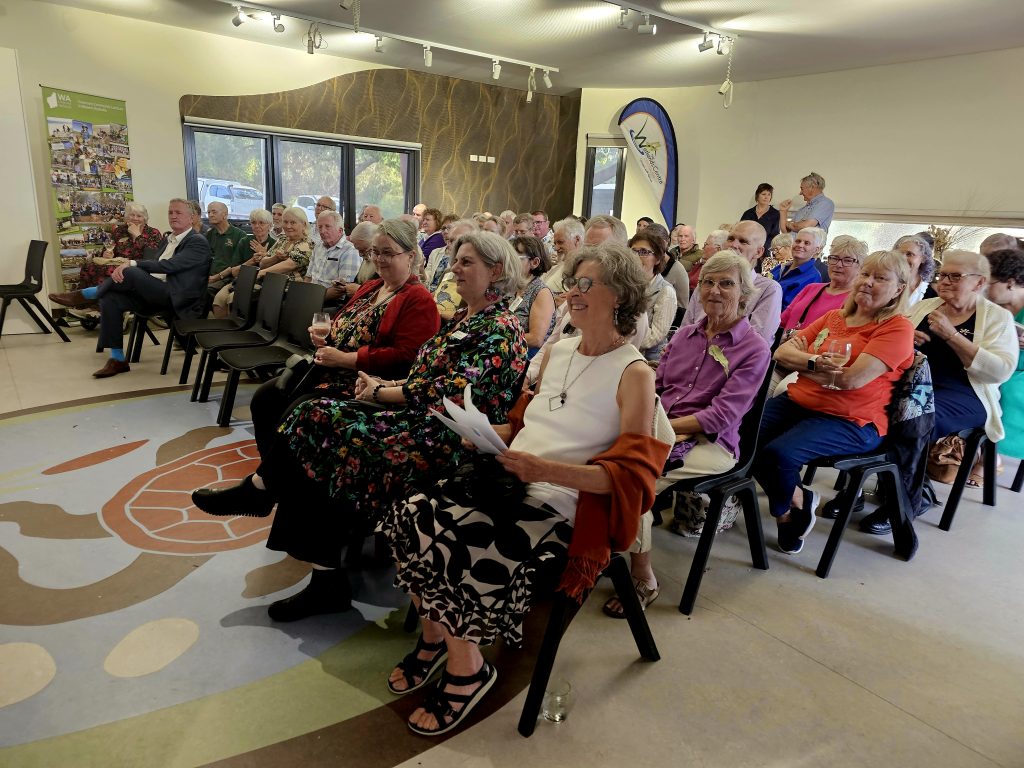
790,436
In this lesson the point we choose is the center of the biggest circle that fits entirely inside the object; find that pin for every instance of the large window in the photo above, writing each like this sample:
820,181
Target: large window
881,235
603,179
247,169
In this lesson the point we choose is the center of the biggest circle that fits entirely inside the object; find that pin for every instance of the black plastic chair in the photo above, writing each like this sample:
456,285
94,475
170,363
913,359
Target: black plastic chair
1018,479
300,303
25,292
263,332
736,482
241,318
138,330
974,439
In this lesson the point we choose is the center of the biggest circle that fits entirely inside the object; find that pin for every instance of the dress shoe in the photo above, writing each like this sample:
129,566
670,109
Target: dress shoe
877,523
73,299
242,500
328,591
112,368
830,510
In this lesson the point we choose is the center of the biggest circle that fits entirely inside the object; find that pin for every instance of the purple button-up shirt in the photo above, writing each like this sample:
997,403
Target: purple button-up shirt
692,382
763,310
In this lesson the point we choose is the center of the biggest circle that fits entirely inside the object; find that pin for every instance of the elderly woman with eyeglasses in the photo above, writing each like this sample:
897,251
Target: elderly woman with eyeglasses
535,304
661,296
804,268
971,345
335,467
779,252
922,266
814,300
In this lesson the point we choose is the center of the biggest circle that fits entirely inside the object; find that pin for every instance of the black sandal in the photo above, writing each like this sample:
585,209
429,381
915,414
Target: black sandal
414,668
439,702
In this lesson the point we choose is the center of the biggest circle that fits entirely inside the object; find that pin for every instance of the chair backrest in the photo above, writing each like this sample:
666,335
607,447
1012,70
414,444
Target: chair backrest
243,305
268,307
301,302
751,426
34,264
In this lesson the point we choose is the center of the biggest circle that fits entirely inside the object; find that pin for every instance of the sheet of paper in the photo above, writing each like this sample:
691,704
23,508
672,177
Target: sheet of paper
471,424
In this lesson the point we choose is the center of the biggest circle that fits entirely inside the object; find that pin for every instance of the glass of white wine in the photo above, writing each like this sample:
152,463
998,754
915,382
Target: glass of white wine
838,354
321,326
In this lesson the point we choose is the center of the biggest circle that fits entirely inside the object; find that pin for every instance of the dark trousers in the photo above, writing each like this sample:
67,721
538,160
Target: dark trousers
790,436
269,406
138,292
956,409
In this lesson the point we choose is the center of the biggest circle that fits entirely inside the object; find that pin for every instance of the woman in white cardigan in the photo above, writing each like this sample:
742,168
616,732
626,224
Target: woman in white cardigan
971,346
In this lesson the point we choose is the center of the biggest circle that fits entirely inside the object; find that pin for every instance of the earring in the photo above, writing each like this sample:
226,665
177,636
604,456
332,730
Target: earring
491,293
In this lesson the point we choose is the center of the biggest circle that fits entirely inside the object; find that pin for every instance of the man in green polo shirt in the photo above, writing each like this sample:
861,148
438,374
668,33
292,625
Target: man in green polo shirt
223,237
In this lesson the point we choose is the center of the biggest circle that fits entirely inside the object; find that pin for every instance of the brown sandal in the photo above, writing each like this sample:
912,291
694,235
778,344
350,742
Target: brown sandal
645,594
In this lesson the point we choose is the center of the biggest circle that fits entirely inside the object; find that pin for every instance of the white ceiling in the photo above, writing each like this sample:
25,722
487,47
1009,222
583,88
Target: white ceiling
776,38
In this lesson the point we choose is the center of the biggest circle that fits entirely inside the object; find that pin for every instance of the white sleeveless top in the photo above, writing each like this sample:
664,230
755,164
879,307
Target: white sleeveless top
586,425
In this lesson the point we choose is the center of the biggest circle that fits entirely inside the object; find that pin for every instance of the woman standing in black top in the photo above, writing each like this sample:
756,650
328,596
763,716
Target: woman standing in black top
763,212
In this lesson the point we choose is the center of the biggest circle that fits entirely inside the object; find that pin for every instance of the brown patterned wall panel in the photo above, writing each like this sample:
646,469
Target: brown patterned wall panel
534,145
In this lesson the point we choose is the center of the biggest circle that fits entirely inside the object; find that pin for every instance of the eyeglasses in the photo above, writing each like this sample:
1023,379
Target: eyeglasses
953,277
582,283
846,261
725,284
384,256
643,252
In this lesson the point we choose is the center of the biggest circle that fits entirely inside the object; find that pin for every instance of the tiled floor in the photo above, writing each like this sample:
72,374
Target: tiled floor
885,663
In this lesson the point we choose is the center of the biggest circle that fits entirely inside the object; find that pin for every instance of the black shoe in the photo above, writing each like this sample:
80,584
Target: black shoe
830,511
328,591
789,542
877,523
242,500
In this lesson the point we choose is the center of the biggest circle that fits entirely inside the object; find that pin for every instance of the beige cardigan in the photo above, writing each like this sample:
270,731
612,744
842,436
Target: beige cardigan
995,361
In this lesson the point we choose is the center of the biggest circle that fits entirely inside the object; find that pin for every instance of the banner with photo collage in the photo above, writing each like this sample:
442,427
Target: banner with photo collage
90,174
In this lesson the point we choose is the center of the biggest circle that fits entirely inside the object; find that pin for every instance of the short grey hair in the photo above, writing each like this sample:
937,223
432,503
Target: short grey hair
927,268
463,223
848,245
132,207
261,214
622,273
974,261
334,217
495,249
278,207
364,230
602,221
404,232
820,235
814,179
299,214
998,242
782,240
726,260
569,227
718,237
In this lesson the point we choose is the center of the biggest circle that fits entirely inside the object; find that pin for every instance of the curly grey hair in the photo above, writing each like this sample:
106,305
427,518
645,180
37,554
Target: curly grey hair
927,268
726,260
622,273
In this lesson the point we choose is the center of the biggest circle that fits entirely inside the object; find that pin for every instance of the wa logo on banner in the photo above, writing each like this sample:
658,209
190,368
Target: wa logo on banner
55,100
652,142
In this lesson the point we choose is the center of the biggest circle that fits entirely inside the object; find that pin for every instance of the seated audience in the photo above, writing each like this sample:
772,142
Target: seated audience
747,239
1006,288
918,252
811,419
535,304
446,295
712,245
379,331
661,297
674,274
567,237
437,260
1000,241
522,226
507,217
844,258
335,261
685,250
708,377
495,225
780,252
430,226
197,217
131,240
260,221
361,237
584,448
372,214
277,211
335,467
642,222
817,210
763,212
323,203
175,283
542,230
804,268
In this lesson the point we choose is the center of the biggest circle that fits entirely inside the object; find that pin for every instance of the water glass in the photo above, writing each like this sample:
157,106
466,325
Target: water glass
558,700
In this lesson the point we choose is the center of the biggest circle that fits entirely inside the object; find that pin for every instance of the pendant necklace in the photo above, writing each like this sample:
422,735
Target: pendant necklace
556,402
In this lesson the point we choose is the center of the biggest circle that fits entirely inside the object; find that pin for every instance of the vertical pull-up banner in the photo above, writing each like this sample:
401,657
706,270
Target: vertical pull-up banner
652,143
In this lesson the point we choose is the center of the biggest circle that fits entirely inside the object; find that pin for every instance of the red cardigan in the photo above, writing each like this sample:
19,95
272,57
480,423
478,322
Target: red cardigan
410,318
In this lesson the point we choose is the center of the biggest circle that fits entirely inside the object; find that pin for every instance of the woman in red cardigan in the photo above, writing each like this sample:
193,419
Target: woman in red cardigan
378,331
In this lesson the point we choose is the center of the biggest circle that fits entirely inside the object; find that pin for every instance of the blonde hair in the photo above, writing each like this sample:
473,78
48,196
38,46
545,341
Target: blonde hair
299,215
848,245
892,261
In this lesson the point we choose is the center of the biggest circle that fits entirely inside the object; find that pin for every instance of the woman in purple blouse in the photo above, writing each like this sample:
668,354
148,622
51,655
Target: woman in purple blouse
708,378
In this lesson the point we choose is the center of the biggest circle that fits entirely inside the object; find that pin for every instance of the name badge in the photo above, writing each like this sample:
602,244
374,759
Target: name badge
459,335
512,307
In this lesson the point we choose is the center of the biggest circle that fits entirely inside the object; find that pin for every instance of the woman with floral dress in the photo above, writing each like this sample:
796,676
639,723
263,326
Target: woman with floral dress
336,466
130,239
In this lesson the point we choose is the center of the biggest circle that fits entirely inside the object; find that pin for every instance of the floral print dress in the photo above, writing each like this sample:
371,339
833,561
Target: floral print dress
371,459
125,247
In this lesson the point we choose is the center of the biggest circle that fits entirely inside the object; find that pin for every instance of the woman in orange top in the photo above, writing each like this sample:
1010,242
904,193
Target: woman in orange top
812,419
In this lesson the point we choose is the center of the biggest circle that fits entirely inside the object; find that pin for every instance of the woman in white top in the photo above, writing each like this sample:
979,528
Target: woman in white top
922,266
470,569
661,297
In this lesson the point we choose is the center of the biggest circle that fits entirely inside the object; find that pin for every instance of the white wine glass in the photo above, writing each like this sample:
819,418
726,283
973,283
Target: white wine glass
838,354
321,325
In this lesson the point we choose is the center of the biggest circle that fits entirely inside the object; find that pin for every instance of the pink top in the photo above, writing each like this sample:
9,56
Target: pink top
815,300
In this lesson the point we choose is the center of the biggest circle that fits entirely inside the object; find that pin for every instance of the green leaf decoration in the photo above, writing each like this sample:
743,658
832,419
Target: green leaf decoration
822,335
717,354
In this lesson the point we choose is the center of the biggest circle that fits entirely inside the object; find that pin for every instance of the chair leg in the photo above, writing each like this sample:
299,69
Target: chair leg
702,553
619,573
134,352
845,509
1018,479
227,400
412,619
841,480
28,303
561,614
211,368
152,336
989,474
200,374
809,475
3,314
966,465
167,351
39,323
186,364
755,531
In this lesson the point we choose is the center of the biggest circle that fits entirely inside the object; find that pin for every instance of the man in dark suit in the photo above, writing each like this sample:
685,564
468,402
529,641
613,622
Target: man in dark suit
173,281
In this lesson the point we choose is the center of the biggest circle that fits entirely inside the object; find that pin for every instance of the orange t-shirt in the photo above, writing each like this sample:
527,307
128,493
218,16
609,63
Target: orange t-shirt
892,342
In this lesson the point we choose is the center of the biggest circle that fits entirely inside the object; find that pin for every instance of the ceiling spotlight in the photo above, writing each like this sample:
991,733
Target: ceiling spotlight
531,84
724,46
345,5
276,21
647,28
379,45
428,56
547,79
707,45
623,13
240,19
495,69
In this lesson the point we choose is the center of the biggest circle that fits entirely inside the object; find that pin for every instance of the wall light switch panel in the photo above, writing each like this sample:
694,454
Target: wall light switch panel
490,159
473,158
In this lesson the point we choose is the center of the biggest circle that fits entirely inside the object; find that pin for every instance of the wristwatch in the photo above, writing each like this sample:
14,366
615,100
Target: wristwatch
811,363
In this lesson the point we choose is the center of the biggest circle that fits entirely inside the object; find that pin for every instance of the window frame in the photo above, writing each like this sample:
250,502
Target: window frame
588,179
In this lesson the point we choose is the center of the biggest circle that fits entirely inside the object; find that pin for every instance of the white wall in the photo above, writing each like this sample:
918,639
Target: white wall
939,136
150,66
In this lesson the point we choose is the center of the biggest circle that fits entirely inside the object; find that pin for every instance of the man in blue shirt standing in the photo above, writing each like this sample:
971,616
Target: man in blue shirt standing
817,210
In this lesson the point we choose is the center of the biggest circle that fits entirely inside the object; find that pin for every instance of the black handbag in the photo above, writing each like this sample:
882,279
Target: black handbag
480,481
299,375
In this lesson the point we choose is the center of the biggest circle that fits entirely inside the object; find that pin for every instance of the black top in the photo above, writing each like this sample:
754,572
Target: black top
948,372
770,222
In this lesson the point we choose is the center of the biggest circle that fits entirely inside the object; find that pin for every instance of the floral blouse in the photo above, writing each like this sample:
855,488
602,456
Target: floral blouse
299,252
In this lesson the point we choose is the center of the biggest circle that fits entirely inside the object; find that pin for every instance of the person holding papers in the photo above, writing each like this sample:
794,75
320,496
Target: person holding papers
583,451
336,466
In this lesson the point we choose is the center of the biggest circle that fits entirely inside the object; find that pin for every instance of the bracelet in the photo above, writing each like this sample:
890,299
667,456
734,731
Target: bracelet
377,389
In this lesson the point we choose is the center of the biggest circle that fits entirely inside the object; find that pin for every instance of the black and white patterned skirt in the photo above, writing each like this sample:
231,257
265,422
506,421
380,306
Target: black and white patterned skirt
474,570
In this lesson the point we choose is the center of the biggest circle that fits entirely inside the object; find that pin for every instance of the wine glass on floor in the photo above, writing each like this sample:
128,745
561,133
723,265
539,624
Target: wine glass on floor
838,354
